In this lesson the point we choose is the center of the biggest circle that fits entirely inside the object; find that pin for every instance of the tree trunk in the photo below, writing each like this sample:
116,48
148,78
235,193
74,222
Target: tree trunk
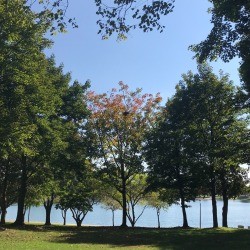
64,216
224,211
29,215
3,214
113,217
133,216
78,222
22,193
48,206
214,205
4,202
124,200
4,194
184,214
47,220
158,217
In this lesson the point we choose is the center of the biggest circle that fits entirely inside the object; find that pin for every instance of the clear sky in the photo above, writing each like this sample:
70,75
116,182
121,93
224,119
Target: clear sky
152,61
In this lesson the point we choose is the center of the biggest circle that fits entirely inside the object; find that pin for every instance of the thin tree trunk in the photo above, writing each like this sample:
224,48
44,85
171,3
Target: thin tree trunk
214,205
113,217
22,193
29,215
133,214
4,195
213,183
64,216
124,200
158,217
184,214
225,211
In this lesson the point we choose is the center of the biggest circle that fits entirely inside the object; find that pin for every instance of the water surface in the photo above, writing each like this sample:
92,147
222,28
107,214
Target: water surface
238,214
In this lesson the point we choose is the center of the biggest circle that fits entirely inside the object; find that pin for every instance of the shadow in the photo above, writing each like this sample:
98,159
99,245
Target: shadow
171,238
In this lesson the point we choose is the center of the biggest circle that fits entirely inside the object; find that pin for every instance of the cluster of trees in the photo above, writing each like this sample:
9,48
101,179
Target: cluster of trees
200,140
62,144
41,114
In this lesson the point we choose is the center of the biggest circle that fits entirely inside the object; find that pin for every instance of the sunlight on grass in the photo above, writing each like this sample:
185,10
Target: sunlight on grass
69,237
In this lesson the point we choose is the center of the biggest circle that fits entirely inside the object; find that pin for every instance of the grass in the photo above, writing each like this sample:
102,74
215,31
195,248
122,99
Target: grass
69,237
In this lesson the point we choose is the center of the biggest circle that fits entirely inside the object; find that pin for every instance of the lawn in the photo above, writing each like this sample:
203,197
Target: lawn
69,237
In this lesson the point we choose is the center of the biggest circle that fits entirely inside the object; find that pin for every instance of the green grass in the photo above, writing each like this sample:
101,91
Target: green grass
58,237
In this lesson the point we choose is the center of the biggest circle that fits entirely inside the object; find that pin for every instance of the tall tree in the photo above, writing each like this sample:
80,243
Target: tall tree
25,92
218,131
116,128
167,154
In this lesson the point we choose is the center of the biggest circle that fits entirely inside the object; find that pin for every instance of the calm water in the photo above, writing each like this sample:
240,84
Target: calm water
239,214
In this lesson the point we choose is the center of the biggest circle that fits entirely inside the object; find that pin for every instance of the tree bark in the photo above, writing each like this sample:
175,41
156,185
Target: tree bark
224,211
113,218
124,199
214,204
64,217
22,193
133,216
158,217
79,223
4,196
29,215
48,206
3,214
4,202
184,214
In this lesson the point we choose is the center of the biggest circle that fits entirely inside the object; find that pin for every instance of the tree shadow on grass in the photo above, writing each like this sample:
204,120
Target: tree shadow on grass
162,239
172,238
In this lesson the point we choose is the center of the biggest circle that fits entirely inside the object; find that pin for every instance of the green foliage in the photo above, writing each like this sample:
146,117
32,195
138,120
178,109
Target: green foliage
218,132
122,16
229,36
79,196
201,139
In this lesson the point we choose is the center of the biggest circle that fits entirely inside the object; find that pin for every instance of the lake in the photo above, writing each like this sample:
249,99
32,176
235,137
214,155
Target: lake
238,214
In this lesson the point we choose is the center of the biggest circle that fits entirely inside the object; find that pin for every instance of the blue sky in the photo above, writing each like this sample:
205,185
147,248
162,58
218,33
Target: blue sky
152,61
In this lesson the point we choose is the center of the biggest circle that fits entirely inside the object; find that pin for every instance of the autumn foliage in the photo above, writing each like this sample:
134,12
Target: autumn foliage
117,128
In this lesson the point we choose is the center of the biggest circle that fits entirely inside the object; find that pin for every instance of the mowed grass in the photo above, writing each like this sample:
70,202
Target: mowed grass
69,237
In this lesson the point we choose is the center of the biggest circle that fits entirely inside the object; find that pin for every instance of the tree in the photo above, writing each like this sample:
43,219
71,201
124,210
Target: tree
73,113
136,195
111,204
80,194
116,130
217,131
26,96
229,36
167,155
8,185
114,15
158,201
110,199
145,16
79,201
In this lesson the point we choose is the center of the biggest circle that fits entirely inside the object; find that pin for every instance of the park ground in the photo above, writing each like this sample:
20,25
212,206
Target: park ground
70,237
